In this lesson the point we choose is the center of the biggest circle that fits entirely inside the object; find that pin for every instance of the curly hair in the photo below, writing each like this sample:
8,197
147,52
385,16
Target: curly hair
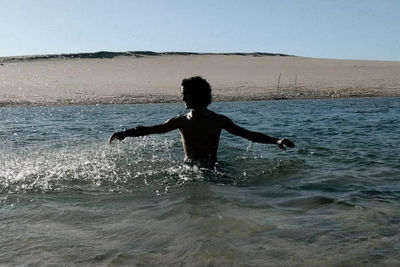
199,89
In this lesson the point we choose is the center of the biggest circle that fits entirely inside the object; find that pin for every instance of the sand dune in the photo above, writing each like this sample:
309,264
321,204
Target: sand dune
143,77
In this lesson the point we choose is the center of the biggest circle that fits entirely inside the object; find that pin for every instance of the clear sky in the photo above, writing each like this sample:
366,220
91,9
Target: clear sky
349,29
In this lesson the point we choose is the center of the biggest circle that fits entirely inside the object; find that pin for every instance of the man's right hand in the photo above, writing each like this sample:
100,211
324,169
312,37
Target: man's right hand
284,142
119,135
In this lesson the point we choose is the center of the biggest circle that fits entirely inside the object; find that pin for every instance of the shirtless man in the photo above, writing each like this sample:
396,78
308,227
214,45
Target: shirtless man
200,128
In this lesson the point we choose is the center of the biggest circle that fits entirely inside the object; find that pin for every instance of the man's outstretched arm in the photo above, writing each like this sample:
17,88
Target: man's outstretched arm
255,136
167,126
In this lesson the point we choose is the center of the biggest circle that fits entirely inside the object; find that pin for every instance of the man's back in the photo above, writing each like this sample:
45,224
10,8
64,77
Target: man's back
200,132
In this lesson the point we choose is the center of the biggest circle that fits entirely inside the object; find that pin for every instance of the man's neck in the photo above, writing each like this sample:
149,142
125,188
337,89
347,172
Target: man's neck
197,112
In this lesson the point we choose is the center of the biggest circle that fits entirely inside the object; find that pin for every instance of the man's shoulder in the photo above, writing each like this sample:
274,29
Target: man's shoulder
177,118
219,117
174,120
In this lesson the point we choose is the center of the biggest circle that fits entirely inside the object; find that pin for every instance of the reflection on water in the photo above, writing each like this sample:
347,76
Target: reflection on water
69,198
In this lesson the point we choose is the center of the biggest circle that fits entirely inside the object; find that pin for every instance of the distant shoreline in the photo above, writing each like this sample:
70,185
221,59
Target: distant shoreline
150,77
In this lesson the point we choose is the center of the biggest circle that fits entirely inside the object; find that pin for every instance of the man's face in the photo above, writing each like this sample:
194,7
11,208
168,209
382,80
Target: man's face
186,98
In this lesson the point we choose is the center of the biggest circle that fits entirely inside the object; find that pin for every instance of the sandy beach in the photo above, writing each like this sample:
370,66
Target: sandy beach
105,78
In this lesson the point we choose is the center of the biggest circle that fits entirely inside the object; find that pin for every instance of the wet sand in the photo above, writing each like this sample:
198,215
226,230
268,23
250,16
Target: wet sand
154,78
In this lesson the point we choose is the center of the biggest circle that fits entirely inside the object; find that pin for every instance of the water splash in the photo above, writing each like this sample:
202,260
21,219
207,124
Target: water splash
135,164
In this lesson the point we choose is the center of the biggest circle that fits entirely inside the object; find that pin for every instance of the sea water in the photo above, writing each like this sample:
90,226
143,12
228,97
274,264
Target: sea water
69,198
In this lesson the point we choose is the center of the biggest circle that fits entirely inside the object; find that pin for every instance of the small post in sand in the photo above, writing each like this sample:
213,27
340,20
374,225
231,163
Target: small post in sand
279,80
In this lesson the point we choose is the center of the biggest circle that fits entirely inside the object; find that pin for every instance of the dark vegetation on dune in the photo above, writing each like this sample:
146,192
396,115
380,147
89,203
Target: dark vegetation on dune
107,54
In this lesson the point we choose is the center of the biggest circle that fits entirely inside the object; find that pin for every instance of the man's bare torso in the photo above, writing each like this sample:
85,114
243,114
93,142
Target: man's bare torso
200,134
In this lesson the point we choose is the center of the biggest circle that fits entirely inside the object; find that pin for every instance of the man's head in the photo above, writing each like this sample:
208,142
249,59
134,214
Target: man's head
196,92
